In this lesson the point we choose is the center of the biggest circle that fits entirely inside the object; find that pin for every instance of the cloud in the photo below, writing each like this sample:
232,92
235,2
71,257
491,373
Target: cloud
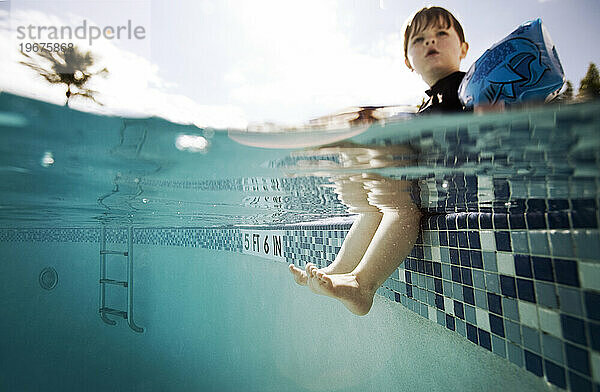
132,88
311,62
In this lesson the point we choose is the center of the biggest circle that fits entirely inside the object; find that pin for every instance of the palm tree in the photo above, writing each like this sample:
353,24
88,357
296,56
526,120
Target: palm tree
69,67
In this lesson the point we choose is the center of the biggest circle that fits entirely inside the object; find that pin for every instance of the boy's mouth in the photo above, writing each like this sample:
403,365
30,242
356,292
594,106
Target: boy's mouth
431,52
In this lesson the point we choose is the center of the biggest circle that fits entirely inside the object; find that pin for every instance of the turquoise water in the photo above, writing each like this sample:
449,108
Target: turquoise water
506,198
218,321
130,171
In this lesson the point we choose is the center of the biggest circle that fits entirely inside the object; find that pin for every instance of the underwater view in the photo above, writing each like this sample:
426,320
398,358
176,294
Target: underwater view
509,229
214,197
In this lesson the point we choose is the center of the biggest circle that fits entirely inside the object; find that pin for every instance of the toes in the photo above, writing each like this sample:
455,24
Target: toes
299,275
314,272
294,270
307,268
325,281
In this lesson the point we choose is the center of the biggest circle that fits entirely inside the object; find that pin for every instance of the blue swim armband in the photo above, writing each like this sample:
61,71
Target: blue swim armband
522,67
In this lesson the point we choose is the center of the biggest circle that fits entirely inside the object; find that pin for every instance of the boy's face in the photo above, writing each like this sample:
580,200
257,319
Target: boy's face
435,53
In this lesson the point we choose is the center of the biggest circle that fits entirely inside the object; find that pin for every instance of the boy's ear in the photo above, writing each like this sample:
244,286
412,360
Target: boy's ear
464,48
408,64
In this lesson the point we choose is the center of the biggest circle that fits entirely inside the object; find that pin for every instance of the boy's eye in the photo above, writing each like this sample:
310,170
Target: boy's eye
417,40
442,33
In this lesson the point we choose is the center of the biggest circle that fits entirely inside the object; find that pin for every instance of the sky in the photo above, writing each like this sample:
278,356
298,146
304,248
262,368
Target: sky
227,63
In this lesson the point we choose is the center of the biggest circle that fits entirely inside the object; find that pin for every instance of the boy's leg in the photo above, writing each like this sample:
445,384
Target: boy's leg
353,194
392,242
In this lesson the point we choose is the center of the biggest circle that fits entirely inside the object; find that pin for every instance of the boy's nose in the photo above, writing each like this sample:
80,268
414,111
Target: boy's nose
429,41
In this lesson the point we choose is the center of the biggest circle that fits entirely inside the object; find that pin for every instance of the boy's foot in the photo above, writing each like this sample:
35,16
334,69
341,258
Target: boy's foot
299,275
343,287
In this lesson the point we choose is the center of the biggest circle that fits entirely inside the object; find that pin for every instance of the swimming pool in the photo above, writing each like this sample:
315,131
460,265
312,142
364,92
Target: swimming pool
501,290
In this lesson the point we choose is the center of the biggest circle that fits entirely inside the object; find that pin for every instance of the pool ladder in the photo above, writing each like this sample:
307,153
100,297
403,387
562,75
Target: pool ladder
128,284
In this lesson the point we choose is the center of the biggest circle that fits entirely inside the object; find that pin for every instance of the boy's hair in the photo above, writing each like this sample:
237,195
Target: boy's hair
431,16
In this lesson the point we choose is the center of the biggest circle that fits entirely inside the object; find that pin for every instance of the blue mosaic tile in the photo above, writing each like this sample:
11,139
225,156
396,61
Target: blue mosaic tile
510,308
552,348
489,260
441,318
587,244
579,383
525,290
481,299
508,286
472,333
468,295
517,221
499,346
573,329
459,310
461,327
539,243
496,325
546,295
474,240
503,241
555,374
500,221
519,241
450,322
492,283
570,301
566,272
523,265
531,339
476,259
466,277
485,339
577,359
535,220
533,363
561,244
445,255
592,305
515,354
543,269
470,314
447,288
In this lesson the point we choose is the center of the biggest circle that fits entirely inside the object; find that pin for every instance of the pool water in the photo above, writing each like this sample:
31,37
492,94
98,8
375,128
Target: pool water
502,289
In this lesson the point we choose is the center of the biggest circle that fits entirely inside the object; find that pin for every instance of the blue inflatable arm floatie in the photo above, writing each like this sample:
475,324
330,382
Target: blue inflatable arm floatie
524,66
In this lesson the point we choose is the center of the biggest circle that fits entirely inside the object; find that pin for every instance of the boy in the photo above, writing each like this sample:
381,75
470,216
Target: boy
434,45
388,220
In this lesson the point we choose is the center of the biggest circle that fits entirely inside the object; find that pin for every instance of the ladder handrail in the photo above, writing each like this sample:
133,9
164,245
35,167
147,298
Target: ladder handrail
130,321
103,309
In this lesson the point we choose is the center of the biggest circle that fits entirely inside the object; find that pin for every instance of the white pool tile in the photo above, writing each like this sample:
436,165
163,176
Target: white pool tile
529,314
589,275
488,241
550,322
483,319
596,366
506,263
